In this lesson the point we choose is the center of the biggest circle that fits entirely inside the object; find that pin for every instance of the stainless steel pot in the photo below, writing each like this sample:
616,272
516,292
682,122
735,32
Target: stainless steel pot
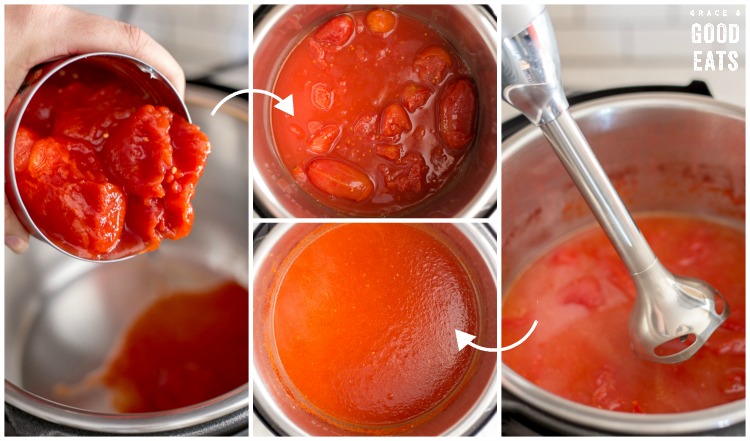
664,152
475,404
63,315
470,29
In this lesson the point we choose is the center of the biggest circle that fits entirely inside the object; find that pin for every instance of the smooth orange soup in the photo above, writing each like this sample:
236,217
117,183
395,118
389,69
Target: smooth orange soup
364,320
582,295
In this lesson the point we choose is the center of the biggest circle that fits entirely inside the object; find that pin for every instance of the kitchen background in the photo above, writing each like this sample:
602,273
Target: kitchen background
211,42
604,46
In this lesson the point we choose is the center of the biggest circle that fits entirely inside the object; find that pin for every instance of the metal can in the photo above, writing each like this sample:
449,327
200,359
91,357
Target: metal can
139,73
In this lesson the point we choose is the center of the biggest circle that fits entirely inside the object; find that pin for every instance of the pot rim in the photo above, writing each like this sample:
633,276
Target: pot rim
479,204
638,100
473,420
716,417
161,421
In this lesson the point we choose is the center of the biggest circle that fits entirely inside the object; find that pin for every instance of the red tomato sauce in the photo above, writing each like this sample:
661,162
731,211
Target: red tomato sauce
184,349
385,112
582,295
363,322
102,171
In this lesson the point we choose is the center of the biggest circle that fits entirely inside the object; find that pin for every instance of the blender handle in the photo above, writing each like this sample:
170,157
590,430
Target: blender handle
531,64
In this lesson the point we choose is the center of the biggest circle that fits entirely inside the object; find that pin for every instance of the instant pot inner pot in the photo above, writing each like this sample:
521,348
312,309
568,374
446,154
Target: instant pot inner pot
469,28
664,152
74,316
63,316
473,405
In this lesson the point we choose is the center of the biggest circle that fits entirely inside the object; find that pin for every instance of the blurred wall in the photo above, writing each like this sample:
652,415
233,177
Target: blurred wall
209,41
619,45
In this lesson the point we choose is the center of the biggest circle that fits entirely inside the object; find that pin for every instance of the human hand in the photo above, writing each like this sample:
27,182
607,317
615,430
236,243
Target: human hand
35,34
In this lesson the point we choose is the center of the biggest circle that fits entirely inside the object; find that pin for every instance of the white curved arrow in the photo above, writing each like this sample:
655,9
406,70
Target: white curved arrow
286,105
464,339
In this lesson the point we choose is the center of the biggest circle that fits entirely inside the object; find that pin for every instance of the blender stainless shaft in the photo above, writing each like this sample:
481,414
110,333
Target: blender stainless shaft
531,65
667,307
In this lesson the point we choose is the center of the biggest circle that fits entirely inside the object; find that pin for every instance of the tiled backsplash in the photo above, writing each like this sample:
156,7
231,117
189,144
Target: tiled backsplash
622,45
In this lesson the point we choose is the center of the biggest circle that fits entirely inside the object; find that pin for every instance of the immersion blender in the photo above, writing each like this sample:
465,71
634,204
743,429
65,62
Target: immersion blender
667,307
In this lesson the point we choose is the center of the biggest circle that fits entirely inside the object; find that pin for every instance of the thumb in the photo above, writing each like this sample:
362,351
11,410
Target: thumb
16,236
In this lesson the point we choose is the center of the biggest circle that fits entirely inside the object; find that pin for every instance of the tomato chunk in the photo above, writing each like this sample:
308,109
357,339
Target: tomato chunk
394,120
414,96
25,140
321,96
335,31
96,115
457,112
317,53
178,211
364,127
84,214
85,124
339,179
407,180
388,151
190,149
49,161
145,218
584,291
380,21
432,64
40,116
324,139
140,152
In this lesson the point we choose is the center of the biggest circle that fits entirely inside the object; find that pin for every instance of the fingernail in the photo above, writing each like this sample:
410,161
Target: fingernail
16,244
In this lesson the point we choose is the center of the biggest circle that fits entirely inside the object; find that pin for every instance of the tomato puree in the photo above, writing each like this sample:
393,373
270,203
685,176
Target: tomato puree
363,325
582,295
184,349
104,171
384,112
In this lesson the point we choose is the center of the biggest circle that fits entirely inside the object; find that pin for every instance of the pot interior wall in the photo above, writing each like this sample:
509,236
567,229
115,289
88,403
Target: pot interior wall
663,152
471,191
280,410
